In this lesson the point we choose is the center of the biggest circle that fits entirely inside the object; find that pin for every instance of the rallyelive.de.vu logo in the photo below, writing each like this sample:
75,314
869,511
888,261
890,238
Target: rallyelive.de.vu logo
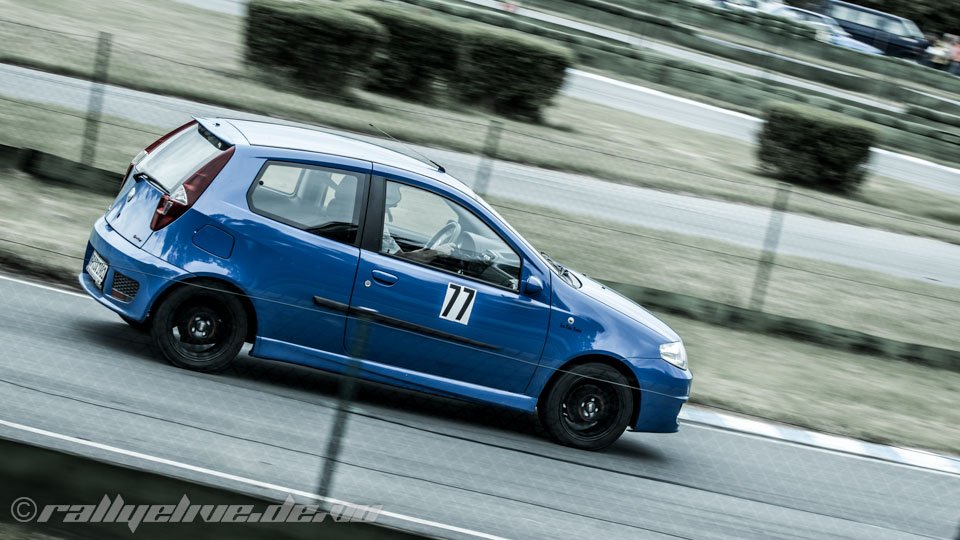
115,510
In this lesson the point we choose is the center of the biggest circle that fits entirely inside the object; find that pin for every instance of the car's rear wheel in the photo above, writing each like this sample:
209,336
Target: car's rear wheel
588,407
200,327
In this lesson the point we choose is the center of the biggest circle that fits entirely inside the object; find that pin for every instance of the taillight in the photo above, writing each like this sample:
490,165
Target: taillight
177,203
153,146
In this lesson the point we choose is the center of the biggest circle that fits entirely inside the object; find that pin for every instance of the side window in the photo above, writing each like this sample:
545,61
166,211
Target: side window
871,20
427,228
319,200
843,13
855,16
895,27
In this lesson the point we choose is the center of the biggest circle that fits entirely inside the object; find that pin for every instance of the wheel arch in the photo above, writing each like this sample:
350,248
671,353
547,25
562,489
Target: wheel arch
598,358
213,282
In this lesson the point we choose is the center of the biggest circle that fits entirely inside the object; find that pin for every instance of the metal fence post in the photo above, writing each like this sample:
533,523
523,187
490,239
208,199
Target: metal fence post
770,244
91,130
489,153
348,386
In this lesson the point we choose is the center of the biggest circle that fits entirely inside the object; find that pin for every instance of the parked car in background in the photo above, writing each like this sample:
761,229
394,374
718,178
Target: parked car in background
828,30
712,3
742,5
893,35
753,5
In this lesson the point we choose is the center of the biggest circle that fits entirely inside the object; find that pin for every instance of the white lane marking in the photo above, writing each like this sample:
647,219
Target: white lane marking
951,471
44,287
833,442
926,460
919,161
658,93
821,441
750,426
241,479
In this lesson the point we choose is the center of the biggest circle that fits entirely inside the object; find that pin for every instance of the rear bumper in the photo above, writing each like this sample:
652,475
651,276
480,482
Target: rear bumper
151,274
663,391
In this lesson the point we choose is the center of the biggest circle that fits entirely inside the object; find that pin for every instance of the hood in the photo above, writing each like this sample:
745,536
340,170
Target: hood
850,43
626,307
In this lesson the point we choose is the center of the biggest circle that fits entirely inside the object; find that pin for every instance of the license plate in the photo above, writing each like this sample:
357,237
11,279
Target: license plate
97,268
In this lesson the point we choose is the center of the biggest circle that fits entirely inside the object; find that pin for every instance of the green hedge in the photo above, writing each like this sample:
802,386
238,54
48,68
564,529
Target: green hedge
496,64
509,72
423,51
809,146
320,46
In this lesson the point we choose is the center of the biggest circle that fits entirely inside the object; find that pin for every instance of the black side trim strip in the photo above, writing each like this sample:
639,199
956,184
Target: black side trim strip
369,314
330,304
405,325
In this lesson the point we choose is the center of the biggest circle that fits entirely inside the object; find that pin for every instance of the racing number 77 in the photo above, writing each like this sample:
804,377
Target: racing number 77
458,303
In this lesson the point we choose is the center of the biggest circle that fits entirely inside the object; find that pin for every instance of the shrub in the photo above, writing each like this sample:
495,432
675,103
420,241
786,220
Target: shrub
509,72
813,147
320,46
423,50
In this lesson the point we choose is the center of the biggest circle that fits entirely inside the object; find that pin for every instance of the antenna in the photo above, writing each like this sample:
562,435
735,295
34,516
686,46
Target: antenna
410,148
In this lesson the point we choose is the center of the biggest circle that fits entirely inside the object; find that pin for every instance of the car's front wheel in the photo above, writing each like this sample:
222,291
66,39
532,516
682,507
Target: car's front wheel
200,327
588,407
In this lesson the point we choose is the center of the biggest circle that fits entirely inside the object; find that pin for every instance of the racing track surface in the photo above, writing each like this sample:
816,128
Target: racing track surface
71,367
863,247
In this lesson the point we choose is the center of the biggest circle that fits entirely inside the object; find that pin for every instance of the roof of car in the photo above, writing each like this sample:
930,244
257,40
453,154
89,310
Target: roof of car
312,140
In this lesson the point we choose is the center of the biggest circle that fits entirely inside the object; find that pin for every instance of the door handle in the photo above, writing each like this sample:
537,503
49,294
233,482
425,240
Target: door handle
384,278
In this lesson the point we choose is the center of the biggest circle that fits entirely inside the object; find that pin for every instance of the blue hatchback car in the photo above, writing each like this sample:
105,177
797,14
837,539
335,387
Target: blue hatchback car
328,252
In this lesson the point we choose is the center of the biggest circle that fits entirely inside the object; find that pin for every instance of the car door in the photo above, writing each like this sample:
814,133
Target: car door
301,248
448,306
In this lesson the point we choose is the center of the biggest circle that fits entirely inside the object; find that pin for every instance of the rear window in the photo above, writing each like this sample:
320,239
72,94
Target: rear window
179,157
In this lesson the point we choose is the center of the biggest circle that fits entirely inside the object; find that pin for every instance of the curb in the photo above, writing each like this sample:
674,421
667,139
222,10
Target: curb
742,424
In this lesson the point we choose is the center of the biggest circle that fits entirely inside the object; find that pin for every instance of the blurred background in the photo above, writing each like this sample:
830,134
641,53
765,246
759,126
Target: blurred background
779,181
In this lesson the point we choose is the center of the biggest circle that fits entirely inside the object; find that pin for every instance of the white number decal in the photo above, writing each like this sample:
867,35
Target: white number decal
458,303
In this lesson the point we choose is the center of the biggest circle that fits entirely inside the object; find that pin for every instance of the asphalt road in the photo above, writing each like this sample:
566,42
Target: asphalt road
590,198
73,368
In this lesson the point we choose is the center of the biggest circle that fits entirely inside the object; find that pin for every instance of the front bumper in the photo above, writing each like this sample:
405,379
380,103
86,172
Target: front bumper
663,391
150,273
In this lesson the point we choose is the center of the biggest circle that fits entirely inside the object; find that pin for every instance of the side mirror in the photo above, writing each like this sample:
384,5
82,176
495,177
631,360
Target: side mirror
532,286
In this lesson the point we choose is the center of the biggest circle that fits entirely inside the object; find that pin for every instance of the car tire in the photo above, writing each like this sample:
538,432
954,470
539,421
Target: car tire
200,327
587,407
139,326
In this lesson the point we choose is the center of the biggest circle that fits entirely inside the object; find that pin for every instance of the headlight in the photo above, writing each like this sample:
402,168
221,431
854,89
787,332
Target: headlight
674,353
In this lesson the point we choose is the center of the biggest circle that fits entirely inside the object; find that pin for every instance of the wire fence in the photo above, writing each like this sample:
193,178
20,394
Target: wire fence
632,228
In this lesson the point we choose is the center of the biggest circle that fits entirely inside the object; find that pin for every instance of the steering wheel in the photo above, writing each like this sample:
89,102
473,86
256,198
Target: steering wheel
447,233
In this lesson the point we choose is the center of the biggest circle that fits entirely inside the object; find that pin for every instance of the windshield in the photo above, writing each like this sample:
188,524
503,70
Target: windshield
178,158
912,30
835,27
